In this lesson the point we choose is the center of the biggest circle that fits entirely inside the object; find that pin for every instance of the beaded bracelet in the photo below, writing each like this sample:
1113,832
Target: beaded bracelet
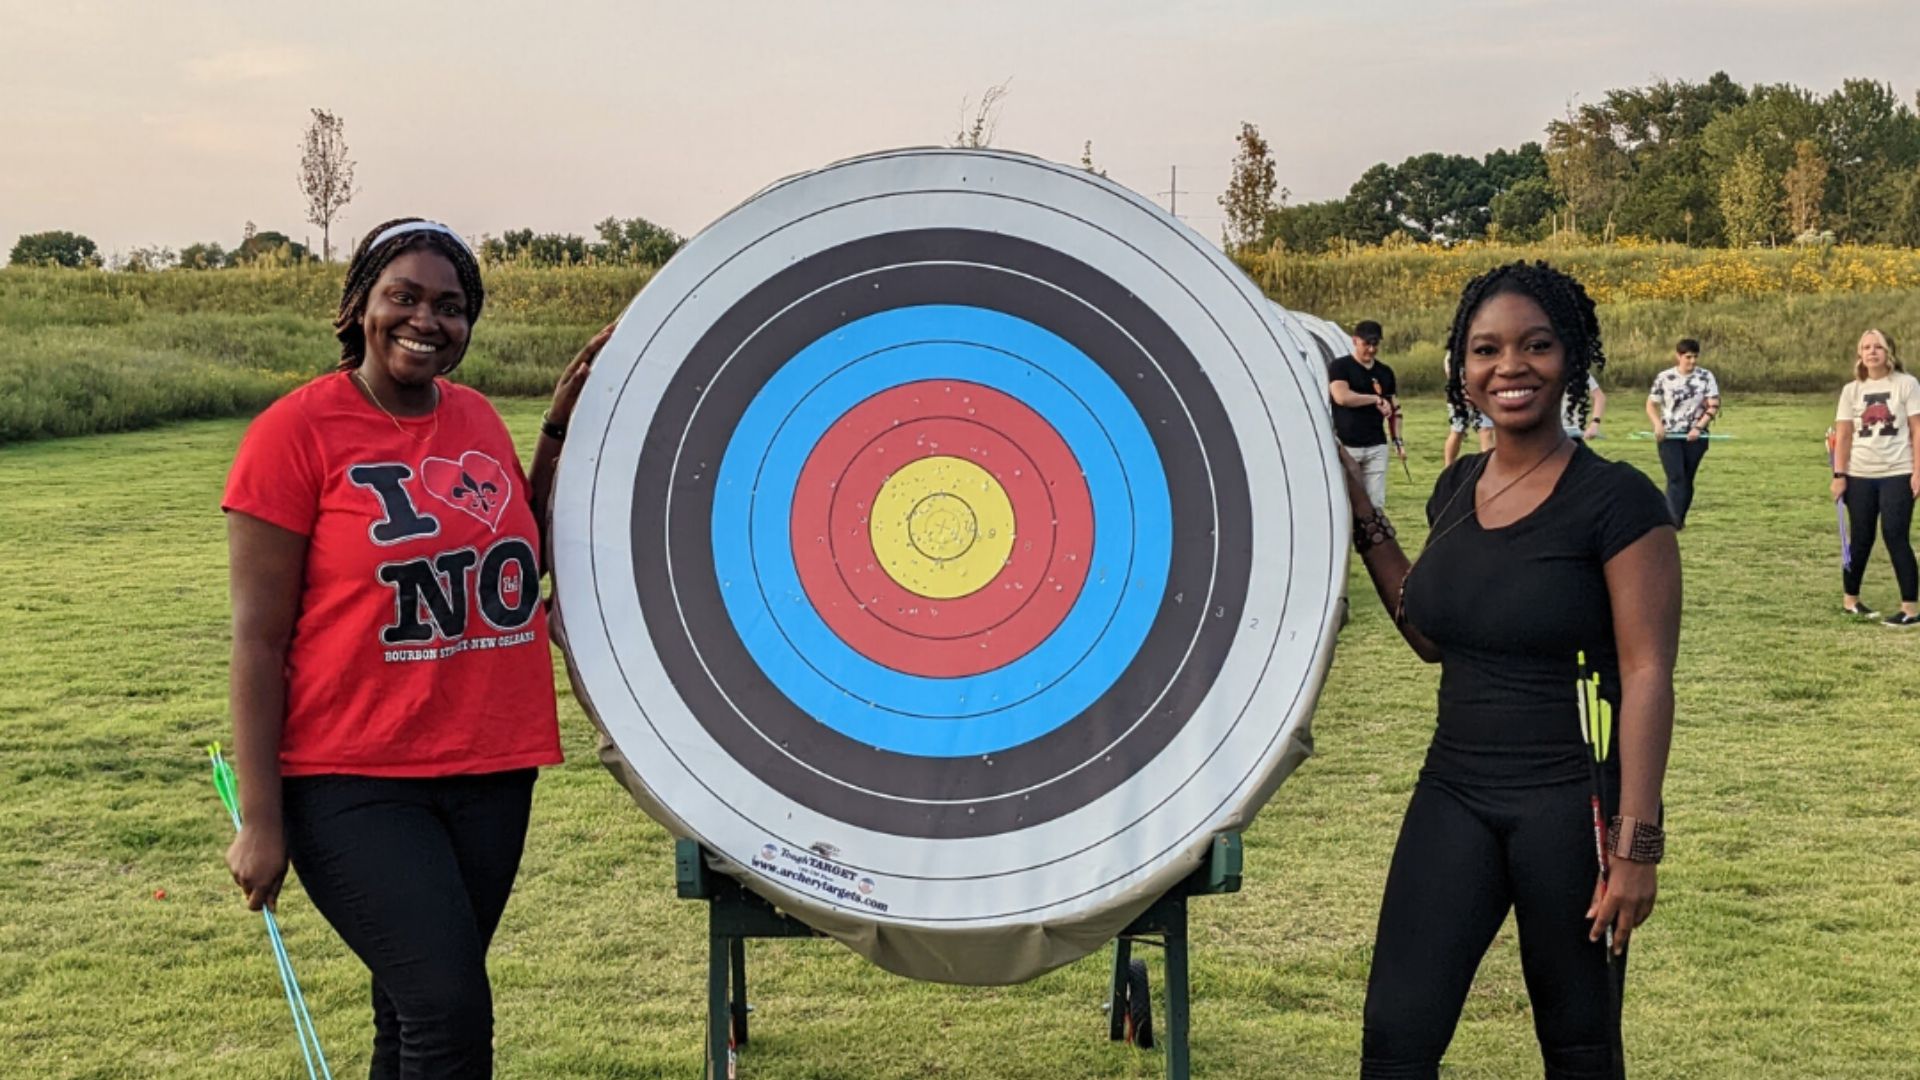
1635,840
1371,531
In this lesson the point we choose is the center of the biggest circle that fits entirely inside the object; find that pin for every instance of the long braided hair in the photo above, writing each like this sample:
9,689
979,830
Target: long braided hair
370,261
1569,310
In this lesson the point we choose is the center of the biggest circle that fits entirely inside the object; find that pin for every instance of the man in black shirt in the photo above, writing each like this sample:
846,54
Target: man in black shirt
1364,410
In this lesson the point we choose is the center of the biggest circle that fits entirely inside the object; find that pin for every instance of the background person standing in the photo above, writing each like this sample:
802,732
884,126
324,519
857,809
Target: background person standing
1363,392
1876,447
1684,400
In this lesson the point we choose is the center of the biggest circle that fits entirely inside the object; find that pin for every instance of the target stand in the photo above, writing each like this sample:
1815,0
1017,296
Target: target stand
734,915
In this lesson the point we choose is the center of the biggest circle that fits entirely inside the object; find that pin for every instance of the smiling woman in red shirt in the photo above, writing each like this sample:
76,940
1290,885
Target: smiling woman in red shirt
391,687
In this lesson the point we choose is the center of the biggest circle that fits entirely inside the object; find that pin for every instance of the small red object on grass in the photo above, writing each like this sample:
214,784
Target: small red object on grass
159,894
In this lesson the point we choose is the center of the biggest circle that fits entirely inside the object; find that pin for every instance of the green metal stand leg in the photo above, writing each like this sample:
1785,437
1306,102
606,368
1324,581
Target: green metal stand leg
1117,1009
739,992
1177,1019
716,1007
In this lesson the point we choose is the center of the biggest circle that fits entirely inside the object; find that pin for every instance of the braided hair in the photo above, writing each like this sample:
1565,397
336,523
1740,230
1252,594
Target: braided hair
1569,310
369,261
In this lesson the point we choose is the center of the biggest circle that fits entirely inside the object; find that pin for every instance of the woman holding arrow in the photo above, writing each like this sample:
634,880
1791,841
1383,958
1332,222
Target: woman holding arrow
391,685
1574,571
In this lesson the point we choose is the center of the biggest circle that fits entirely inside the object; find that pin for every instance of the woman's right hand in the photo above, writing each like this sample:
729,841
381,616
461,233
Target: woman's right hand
1838,487
258,861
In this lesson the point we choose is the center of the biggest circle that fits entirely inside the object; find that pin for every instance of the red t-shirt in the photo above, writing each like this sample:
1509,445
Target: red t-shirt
421,644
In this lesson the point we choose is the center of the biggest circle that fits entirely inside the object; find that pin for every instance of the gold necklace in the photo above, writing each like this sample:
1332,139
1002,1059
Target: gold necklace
375,398
1478,503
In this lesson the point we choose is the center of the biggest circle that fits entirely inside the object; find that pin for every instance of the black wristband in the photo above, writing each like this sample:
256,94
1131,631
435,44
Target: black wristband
555,431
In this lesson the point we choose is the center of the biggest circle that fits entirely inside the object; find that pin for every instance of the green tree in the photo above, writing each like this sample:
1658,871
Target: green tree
1443,197
1903,222
1750,199
635,240
1806,186
57,248
1524,211
1772,122
204,257
1870,135
1371,206
1312,226
1249,195
1588,168
270,247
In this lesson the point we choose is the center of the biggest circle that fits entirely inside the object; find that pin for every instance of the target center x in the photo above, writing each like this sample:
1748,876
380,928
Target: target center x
942,526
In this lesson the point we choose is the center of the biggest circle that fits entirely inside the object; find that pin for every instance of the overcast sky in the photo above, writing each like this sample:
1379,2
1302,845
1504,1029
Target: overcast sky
169,123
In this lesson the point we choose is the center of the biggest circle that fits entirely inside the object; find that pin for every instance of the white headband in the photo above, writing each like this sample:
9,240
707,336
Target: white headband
418,226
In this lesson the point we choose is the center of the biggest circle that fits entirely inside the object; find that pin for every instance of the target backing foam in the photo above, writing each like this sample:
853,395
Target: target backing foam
952,542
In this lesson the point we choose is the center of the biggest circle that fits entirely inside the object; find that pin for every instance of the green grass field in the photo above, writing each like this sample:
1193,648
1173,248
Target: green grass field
1785,944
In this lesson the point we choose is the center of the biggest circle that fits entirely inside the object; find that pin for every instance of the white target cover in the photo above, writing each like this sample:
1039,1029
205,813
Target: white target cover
953,543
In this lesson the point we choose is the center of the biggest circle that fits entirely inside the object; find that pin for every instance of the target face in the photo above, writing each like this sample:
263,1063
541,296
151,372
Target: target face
951,541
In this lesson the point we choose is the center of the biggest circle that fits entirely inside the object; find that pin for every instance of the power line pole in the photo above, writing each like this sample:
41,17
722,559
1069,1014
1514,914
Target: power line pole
1173,191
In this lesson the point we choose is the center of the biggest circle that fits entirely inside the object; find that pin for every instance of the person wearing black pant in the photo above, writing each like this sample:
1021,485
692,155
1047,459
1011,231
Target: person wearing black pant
1574,570
391,684
1877,471
1684,400
414,875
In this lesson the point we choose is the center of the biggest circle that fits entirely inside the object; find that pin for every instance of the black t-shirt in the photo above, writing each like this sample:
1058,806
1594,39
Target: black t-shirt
1510,608
1361,426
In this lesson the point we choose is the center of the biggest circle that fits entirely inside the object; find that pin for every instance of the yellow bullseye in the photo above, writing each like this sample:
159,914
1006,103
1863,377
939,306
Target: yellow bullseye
941,527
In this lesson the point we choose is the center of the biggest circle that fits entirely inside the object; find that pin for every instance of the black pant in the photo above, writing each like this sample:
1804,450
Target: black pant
1465,856
413,875
1889,501
1680,459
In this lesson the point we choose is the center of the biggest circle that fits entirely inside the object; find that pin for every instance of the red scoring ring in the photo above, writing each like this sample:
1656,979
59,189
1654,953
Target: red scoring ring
993,626
850,534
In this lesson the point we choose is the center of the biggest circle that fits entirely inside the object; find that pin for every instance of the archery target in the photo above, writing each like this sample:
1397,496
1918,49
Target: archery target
951,541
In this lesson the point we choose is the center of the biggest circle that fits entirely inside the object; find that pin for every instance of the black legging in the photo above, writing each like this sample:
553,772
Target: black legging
1888,500
1680,459
413,876
1466,855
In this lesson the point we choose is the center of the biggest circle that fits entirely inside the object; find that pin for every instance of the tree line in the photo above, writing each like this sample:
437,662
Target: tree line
619,242
1706,164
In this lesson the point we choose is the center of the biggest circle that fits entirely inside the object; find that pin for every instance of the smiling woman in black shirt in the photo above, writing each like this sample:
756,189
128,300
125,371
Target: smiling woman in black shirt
1546,568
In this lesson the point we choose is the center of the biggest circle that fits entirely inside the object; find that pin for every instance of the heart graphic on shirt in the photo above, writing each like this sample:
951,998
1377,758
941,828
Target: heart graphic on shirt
475,484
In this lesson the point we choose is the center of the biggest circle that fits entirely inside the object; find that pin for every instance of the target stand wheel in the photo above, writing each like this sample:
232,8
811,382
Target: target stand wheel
1139,1005
951,542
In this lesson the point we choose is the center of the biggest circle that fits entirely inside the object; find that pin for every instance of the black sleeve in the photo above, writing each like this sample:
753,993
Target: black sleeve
1627,507
1387,382
1337,371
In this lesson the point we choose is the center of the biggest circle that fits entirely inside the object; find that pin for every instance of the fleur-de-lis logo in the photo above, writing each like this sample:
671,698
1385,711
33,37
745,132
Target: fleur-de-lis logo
476,484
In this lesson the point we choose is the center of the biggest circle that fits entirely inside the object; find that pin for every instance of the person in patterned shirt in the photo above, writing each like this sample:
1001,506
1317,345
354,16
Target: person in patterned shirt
1684,400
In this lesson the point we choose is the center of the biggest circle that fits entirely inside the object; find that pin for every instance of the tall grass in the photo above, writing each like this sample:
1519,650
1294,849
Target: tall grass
90,351
1782,319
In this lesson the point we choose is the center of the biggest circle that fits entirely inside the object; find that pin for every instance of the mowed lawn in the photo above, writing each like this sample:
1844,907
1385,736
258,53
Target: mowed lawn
1786,943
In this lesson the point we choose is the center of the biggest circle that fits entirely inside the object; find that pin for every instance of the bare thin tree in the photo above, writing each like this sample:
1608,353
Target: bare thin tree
977,123
326,175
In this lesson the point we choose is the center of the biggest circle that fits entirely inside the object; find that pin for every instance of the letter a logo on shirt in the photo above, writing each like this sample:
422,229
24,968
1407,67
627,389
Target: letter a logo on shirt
475,484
